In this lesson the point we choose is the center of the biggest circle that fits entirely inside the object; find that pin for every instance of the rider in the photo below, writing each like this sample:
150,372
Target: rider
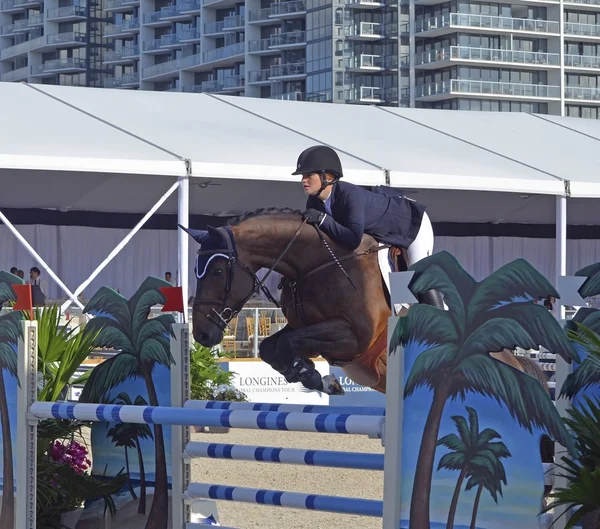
345,212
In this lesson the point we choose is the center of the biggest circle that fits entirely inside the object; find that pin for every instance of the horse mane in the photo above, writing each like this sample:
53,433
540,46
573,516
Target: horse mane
262,212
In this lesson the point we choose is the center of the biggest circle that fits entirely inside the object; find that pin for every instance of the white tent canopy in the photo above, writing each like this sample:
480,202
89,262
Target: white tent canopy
117,151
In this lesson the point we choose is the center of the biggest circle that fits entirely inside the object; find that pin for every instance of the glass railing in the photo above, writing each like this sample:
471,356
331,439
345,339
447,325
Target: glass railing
581,93
287,70
288,8
364,93
234,21
582,30
487,22
586,2
65,38
117,4
234,81
58,64
214,27
260,15
289,96
126,79
487,54
258,45
190,34
64,12
189,6
8,29
487,88
22,48
365,61
162,68
365,29
223,53
15,75
582,61
259,76
131,24
283,39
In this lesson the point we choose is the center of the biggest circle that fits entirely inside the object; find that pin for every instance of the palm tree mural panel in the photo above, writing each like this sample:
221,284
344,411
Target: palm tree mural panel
584,381
449,364
10,332
139,371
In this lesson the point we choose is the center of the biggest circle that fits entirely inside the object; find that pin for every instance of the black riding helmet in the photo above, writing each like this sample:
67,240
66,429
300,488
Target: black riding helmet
319,159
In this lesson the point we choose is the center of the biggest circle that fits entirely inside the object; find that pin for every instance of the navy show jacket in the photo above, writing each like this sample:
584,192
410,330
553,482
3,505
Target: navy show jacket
383,212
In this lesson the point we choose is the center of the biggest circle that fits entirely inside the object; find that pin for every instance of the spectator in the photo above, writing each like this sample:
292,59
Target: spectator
38,295
13,270
168,278
21,274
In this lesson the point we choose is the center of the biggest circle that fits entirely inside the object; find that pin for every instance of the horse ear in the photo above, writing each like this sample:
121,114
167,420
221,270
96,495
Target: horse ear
212,231
198,235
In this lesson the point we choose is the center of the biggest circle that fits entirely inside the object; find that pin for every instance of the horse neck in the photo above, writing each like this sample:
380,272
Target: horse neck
261,241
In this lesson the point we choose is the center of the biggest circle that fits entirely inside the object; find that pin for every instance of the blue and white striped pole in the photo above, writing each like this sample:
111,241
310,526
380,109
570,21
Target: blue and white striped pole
290,456
299,408
294,500
254,420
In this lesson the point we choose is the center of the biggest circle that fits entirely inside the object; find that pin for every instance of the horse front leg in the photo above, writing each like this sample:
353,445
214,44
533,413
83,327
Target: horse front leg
287,352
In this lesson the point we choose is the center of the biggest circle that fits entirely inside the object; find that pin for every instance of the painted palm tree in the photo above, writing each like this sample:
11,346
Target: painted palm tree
470,449
144,343
10,332
454,351
489,476
137,432
587,373
122,437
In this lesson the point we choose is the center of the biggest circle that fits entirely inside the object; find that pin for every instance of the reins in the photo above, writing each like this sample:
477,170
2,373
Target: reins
226,314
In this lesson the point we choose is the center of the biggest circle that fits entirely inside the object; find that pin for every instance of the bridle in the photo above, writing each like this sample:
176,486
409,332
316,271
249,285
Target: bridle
222,317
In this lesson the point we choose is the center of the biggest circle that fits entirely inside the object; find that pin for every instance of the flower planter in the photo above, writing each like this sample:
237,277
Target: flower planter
69,519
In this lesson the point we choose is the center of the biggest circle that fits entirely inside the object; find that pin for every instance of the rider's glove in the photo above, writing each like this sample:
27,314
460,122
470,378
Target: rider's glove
313,216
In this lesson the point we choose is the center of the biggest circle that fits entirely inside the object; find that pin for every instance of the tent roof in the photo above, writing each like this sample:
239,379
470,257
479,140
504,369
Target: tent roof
137,141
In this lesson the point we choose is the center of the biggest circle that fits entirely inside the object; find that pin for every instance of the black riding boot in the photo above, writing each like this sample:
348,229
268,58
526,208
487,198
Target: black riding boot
304,371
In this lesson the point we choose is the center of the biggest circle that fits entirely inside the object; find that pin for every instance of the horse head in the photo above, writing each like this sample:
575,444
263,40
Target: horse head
224,284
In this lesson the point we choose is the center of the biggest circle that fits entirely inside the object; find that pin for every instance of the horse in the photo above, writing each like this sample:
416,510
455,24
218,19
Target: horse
334,299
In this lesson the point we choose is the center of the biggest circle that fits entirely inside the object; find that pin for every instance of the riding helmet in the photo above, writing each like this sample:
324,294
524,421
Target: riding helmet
317,159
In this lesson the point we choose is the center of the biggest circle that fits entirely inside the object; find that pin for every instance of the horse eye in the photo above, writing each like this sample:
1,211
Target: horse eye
218,271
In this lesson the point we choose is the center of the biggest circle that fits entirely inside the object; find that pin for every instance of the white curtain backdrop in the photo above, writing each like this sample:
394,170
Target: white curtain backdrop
74,252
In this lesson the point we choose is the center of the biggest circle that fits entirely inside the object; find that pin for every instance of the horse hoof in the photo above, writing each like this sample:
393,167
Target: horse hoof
331,386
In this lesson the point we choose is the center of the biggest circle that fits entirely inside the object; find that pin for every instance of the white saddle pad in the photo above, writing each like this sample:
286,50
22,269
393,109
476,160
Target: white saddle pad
386,268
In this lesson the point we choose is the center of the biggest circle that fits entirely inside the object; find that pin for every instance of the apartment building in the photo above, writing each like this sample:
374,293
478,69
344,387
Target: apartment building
537,56
52,42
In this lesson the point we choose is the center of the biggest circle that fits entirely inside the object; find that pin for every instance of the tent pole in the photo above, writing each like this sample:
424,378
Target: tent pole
183,217
121,245
37,257
561,249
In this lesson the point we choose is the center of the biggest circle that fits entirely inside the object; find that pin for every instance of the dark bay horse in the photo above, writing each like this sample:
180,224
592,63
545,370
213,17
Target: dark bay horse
342,319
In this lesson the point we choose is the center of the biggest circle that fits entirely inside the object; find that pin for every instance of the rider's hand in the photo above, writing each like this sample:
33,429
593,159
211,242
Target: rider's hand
313,216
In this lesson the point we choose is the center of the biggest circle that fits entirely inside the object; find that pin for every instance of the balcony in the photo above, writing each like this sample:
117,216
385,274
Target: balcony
163,44
190,35
19,74
583,4
366,31
589,32
22,48
486,89
128,80
260,47
288,72
364,94
214,28
120,6
164,70
66,14
260,17
259,77
233,83
72,39
55,66
234,22
364,4
125,55
365,63
287,41
434,26
289,9
168,14
439,58
581,94
289,96
125,29
15,6
226,53
582,62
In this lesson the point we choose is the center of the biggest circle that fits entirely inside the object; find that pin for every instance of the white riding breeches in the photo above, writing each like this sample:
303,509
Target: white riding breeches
422,246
